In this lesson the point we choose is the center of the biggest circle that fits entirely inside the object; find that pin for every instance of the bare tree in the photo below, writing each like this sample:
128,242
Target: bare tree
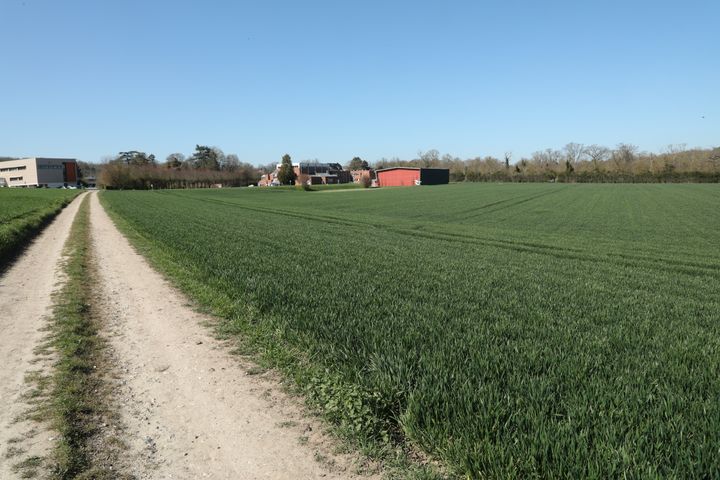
219,156
624,155
231,163
548,158
597,154
674,149
574,152
429,158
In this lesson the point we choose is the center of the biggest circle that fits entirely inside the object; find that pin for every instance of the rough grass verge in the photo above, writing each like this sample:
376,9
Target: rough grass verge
77,399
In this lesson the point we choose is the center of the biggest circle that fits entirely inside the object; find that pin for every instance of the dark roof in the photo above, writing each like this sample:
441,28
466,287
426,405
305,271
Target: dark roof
410,168
320,164
398,168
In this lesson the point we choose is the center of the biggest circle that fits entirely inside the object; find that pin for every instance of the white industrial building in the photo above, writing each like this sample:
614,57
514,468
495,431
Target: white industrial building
39,172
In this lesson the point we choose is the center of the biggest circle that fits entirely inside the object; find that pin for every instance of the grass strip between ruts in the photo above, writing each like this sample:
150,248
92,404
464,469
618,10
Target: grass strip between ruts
76,402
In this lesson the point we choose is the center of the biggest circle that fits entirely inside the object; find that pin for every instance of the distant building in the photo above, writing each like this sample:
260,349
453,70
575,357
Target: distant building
358,175
266,179
39,172
312,173
408,176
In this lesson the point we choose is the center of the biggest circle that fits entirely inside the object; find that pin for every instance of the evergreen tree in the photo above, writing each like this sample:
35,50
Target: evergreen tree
205,158
286,174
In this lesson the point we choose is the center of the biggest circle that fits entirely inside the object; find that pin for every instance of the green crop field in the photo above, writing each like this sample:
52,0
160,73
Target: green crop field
539,330
24,211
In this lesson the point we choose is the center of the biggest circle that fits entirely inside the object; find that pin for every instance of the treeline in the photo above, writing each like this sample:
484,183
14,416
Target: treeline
579,163
209,166
206,167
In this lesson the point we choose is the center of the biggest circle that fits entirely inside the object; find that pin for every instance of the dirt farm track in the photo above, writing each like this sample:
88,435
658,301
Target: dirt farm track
186,407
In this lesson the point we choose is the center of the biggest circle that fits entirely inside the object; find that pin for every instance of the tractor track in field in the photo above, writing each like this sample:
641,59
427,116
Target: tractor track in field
658,261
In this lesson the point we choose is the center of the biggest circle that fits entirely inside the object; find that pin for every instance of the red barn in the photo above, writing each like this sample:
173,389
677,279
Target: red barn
408,176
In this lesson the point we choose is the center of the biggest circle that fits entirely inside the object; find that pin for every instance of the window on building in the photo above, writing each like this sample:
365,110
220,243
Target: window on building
16,179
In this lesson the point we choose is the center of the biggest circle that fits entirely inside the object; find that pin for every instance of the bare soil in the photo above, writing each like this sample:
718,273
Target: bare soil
190,408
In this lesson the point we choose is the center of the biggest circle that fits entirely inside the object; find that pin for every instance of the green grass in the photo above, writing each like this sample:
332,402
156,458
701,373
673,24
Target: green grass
316,188
511,331
23,213
341,186
77,398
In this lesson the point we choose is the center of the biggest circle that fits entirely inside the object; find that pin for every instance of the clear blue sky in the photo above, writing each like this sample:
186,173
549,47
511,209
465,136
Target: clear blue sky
335,79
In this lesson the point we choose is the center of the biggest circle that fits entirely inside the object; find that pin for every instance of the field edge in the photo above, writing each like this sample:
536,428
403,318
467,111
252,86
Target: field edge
10,250
322,392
